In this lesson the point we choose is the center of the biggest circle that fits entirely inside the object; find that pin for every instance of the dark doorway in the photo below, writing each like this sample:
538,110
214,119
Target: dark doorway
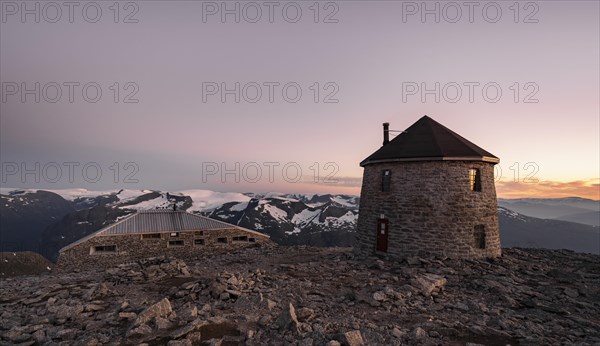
382,234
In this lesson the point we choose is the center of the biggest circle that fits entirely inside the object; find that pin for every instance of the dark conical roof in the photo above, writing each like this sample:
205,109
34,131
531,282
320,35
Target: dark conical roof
428,140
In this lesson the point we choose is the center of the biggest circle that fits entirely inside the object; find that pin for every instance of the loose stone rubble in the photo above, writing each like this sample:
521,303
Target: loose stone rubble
312,296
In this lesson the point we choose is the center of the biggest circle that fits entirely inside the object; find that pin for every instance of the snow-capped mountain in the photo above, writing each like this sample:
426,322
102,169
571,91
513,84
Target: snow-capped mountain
45,221
320,220
323,220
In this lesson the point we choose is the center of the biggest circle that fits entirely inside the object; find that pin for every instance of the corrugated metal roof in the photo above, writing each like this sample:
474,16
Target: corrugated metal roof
160,220
428,140
163,221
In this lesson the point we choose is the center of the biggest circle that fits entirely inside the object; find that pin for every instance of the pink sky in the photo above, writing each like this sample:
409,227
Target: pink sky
369,58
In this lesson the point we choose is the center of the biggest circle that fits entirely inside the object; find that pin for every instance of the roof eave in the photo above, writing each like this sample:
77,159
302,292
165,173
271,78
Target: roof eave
188,230
490,159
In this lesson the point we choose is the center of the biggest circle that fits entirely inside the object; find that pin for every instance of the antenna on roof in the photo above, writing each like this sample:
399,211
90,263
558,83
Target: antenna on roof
397,132
387,131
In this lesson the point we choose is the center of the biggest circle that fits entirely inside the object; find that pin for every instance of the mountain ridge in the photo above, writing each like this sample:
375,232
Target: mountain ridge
289,219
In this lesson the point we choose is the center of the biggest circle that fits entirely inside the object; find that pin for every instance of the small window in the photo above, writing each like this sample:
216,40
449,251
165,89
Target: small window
175,243
252,240
198,241
479,236
104,249
386,180
199,233
240,238
151,236
174,234
222,240
474,179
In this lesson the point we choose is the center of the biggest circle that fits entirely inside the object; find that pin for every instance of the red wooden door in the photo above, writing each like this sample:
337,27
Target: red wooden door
383,230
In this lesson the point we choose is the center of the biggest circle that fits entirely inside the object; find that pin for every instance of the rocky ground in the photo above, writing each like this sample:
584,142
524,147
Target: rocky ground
312,296
23,263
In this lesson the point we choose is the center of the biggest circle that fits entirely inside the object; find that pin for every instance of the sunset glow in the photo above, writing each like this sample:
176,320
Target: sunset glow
194,100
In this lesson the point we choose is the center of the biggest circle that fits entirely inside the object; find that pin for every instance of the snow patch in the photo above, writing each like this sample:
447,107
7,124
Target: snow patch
156,203
239,207
119,218
275,212
281,196
204,200
129,195
73,194
295,231
345,202
510,213
305,216
349,217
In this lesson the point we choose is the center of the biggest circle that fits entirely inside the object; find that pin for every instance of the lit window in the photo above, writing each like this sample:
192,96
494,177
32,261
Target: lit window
474,179
174,234
386,180
479,235
175,243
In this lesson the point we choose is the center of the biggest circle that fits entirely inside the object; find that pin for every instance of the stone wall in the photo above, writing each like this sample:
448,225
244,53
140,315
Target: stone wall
132,247
430,209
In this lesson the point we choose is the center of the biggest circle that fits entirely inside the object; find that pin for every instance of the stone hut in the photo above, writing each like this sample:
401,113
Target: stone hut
428,191
154,233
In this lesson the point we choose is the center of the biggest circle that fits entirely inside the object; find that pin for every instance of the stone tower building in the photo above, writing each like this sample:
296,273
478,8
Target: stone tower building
428,191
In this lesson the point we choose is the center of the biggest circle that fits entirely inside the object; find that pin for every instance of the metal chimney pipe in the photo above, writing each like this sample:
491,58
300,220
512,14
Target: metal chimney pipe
386,133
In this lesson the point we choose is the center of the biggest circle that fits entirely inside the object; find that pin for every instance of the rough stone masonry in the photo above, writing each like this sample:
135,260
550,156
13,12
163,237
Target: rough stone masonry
428,191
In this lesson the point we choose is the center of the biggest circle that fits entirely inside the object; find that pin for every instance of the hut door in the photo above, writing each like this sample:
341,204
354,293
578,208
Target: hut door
382,234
